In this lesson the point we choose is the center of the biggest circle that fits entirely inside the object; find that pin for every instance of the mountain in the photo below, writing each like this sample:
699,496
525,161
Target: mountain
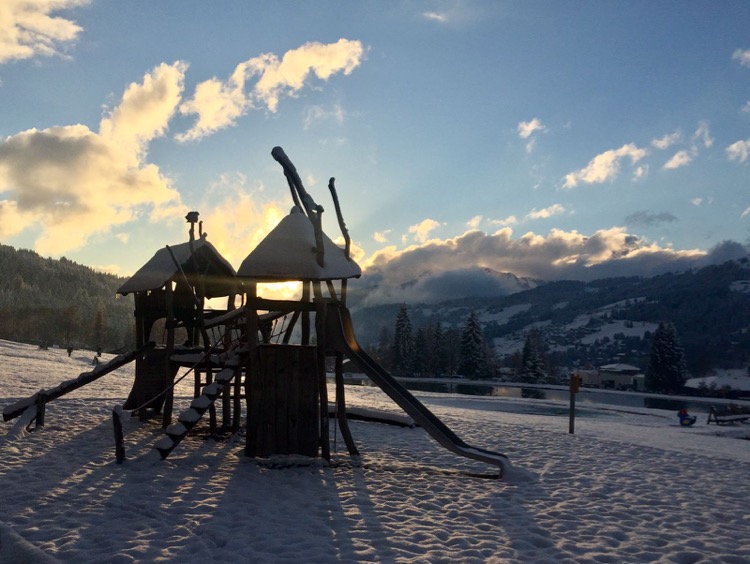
603,321
436,287
597,322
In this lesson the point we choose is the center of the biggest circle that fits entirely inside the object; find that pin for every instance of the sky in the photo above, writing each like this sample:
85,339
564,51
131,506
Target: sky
547,139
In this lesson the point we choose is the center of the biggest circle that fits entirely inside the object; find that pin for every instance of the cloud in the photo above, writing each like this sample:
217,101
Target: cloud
218,104
237,217
69,183
746,107
458,13
605,166
381,236
474,222
696,201
738,151
702,136
435,16
28,28
649,219
554,209
422,230
745,213
391,274
316,114
679,159
526,128
743,56
508,221
667,140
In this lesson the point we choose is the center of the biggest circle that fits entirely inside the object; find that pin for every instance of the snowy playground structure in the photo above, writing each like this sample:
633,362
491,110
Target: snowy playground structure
271,353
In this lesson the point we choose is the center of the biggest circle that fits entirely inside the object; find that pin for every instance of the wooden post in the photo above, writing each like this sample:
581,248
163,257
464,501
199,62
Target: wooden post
575,384
41,408
170,321
305,338
320,323
119,440
251,368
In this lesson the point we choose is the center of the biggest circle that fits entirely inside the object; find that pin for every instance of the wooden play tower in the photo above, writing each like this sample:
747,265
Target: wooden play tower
274,354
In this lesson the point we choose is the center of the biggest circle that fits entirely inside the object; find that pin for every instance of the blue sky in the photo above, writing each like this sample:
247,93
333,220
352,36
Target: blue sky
548,139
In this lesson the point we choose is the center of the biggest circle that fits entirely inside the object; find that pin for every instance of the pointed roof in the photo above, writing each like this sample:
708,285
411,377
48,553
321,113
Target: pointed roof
288,253
220,277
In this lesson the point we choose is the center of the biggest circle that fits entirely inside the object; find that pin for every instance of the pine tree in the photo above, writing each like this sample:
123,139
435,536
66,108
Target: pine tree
99,331
666,371
440,353
473,354
533,368
422,351
402,343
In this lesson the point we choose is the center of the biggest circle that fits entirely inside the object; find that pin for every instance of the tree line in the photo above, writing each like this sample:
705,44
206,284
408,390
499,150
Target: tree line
435,351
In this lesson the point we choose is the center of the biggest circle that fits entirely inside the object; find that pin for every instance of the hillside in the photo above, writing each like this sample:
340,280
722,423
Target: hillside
608,320
48,301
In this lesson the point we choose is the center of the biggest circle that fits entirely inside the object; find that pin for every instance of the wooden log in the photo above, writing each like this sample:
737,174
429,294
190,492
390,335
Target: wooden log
15,409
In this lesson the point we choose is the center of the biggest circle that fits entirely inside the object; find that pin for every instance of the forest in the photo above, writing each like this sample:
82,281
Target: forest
47,302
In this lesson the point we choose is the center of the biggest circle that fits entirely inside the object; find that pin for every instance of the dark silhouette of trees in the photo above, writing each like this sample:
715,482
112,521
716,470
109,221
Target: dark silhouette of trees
533,363
666,370
403,346
473,356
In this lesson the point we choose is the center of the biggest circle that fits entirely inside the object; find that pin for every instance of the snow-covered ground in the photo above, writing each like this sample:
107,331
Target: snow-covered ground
630,486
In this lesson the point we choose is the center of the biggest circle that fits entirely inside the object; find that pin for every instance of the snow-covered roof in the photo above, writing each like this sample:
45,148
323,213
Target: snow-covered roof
619,368
734,379
220,277
288,253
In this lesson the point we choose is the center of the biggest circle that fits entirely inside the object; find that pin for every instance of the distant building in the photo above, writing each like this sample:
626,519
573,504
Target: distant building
615,376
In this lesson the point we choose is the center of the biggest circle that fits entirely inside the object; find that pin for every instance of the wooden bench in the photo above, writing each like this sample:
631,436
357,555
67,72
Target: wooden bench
728,414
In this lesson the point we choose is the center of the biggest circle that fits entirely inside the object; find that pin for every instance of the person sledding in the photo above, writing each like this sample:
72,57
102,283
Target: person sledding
685,419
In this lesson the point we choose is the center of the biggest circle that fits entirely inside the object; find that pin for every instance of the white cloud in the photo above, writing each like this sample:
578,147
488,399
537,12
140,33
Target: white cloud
510,220
435,16
70,183
554,209
28,28
605,166
640,172
746,107
218,104
738,151
237,217
696,202
316,114
745,213
474,222
679,159
527,128
458,13
702,136
557,255
422,230
667,140
743,56
381,236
